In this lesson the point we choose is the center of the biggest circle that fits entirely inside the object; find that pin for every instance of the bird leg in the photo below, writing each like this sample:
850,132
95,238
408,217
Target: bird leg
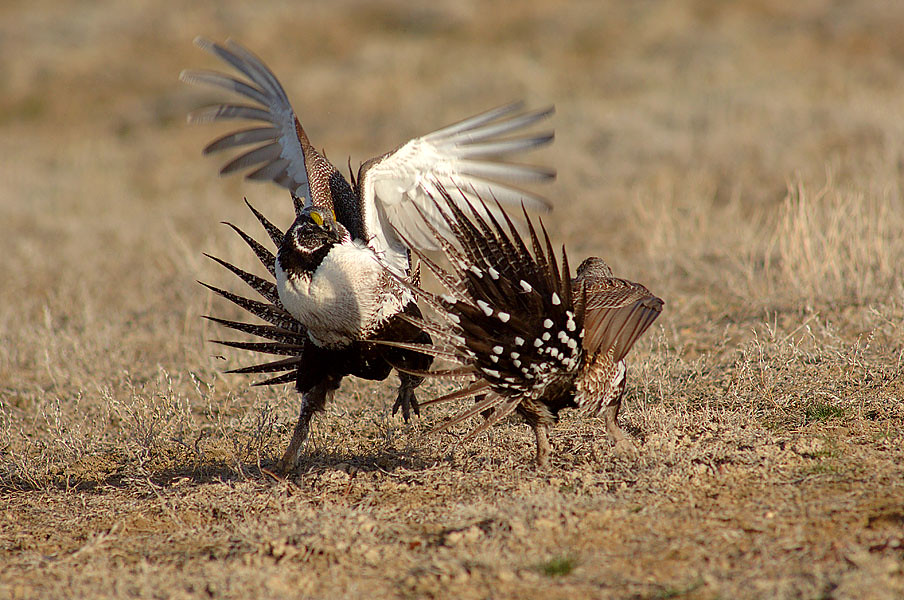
623,445
406,399
541,430
312,401
406,359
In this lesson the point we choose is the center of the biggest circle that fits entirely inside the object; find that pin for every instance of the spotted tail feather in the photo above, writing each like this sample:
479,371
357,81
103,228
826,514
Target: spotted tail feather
509,313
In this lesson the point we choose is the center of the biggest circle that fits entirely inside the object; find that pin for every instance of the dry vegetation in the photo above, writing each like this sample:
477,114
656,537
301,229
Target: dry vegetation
743,159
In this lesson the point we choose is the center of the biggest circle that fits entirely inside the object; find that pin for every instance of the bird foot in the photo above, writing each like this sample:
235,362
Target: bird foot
625,448
407,401
289,461
541,431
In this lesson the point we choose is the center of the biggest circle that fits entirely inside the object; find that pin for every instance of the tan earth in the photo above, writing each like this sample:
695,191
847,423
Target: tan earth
744,160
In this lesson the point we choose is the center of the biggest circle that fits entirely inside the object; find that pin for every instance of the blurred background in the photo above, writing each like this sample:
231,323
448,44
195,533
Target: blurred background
710,100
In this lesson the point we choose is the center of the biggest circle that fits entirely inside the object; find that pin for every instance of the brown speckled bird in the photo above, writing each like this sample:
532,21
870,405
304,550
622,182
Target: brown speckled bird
534,340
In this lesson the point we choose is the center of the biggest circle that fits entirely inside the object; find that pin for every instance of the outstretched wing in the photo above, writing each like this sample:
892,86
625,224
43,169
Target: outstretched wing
616,313
281,150
393,188
280,153
397,189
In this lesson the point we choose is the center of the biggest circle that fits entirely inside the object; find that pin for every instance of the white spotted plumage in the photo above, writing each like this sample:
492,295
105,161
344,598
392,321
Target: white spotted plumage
534,359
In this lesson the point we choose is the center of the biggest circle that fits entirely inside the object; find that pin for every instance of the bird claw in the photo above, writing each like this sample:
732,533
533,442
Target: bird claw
407,401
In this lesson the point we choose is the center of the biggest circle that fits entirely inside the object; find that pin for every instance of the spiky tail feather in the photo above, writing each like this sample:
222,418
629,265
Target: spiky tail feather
284,334
509,314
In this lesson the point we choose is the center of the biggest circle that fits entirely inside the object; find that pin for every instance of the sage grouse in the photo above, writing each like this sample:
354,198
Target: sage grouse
535,340
326,280
320,320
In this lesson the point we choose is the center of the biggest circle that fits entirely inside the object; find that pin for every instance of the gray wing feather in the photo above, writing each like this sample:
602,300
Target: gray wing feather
240,138
282,160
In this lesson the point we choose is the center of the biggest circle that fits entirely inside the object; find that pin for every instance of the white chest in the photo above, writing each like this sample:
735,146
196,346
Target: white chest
343,299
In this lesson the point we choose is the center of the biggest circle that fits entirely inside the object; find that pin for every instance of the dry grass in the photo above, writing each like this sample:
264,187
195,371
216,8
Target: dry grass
741,159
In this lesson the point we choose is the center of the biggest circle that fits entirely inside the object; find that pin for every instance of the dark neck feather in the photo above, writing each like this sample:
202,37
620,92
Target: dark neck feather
302,260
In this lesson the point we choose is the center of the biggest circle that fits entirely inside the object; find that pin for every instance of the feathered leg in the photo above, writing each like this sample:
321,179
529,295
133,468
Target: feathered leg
312,401
623,446
407,400
408,382
541,430
610,414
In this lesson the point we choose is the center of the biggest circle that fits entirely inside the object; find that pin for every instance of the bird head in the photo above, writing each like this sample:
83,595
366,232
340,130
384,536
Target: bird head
595,268
310,238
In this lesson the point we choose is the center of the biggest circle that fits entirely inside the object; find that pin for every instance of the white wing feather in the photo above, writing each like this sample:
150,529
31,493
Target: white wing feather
394,188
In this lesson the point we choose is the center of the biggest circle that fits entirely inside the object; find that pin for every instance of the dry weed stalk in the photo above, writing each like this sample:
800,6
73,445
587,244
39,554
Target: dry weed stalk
837,244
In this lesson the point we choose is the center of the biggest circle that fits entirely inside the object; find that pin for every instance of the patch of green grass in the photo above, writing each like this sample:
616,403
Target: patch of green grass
823,467
821,411
558,567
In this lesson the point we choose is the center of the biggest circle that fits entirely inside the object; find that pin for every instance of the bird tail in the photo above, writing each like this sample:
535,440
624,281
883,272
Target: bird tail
283,335
508,316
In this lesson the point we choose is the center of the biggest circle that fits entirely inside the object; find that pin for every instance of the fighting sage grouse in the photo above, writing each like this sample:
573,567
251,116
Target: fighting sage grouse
534,339
332,291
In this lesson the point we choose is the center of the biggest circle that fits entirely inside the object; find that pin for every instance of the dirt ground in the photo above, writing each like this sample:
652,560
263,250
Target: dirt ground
744,160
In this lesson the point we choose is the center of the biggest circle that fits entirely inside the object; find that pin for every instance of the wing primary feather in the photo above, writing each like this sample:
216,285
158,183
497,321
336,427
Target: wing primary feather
262,154
223,112
270,171
245,62
480,187
502,147
224,55
257,70
225,82
242,137
505,171
477,120
477,134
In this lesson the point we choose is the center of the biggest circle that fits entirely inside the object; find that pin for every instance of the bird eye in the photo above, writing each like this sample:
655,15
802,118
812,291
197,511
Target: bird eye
318,220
